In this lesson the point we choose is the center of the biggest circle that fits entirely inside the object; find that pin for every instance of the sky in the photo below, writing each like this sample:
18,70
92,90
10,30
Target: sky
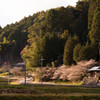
15,10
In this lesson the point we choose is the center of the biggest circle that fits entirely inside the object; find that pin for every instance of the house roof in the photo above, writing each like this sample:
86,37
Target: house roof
96,68
20,64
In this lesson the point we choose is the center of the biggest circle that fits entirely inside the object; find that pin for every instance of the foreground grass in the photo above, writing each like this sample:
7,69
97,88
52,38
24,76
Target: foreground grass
53,89
37,92
67,83
47,97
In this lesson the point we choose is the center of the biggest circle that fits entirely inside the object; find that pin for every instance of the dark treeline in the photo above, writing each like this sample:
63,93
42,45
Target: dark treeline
64,35
18,34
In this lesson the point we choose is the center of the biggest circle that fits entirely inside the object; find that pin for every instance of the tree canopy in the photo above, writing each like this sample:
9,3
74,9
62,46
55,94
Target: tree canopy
61,35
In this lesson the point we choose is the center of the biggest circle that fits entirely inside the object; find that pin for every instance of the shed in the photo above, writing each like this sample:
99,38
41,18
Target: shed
20,64
95,71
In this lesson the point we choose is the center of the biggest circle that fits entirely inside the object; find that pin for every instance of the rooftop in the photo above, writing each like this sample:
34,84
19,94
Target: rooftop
20,64
96,68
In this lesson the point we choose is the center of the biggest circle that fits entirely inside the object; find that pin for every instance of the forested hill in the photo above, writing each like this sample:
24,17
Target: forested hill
15,35
47,37
60,35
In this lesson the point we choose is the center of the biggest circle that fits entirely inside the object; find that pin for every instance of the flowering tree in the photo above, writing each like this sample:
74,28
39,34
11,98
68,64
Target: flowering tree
67,73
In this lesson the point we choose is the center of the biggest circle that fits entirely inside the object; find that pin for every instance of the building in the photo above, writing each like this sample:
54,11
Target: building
95,72
93,78
20,66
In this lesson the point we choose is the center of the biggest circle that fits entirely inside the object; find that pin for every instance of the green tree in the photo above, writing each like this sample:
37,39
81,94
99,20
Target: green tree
5,40
76,52
0,27
95,28
87,52
93,5
52,48
65,35
51,20
68,52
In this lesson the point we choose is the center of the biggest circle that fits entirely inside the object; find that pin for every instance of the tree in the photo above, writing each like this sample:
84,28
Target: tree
5,40
93,5
51,48
69,49
42,47
68,52
95,28
0,27
53,28
51,20
65,35
87,52
76,52
36,52
6,50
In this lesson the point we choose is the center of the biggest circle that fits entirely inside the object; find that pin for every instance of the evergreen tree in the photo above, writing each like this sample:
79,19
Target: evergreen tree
87,52
76,52
95,28
93,5
0,27
51,48
68,52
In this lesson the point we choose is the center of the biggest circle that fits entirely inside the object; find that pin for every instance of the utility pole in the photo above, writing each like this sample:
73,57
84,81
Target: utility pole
8,67
8,75
25,72
8,72
41,68
98,53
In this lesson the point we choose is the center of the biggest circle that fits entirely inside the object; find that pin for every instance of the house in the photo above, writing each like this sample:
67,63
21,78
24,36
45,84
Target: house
95,72
20,66
94,77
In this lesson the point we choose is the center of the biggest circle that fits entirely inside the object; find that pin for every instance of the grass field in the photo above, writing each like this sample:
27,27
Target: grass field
55,90
47,97
37,92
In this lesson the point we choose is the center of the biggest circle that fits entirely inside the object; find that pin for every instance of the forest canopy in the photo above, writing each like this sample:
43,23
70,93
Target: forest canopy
64,35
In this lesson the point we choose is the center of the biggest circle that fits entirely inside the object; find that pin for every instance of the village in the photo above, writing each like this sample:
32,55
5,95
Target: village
19,74
50,49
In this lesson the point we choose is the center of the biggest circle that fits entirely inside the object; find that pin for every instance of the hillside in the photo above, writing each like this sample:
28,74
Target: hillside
16,32
63,35
47,38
